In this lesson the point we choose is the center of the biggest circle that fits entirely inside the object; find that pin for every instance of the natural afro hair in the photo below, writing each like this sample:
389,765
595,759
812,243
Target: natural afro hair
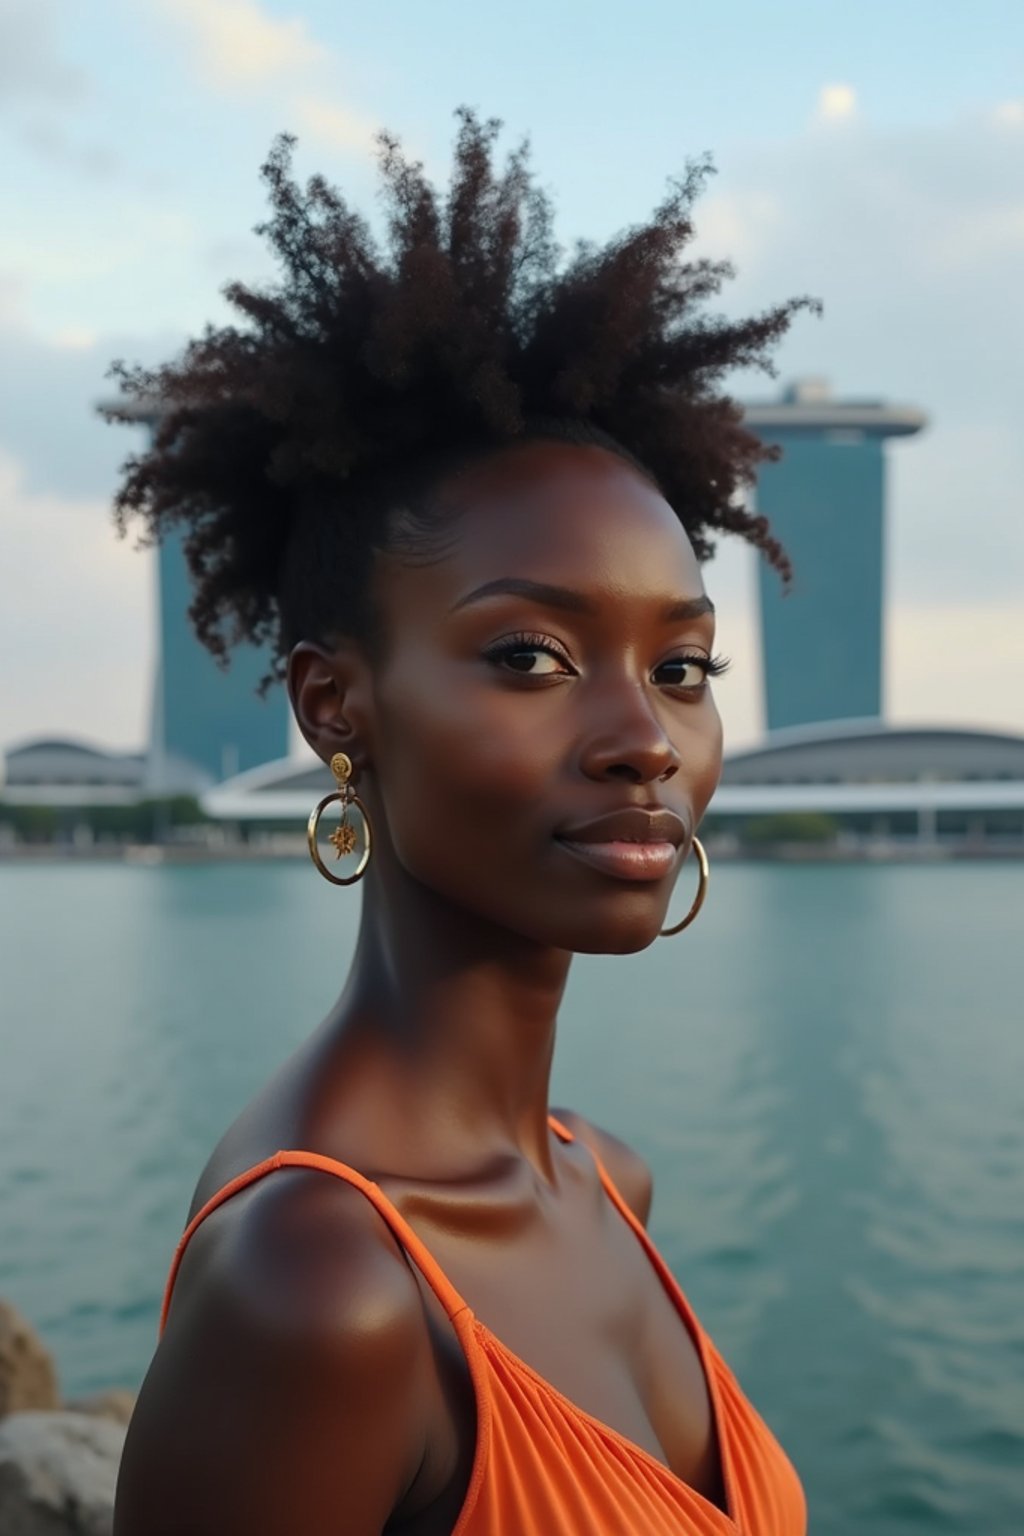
288,452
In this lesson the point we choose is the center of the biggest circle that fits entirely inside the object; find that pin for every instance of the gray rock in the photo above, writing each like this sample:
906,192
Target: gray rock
117,1403
28,1378
58,1472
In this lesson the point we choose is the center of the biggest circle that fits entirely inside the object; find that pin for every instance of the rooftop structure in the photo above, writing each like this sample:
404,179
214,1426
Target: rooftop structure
886,789
915,783
808,405
823,639
58,771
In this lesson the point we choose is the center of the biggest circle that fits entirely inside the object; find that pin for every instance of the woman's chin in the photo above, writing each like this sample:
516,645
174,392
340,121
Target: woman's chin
614,938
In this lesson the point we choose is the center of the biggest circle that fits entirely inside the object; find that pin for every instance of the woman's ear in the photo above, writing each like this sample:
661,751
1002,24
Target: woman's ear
331,697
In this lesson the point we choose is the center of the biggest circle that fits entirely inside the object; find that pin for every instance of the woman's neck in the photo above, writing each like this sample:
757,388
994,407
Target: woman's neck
449,1022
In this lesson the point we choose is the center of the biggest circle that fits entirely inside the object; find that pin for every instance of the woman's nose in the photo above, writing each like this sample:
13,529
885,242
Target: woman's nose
628,741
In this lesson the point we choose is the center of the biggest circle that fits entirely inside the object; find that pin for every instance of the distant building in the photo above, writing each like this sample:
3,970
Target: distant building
933,784
201,713
823,640
56,771
883,787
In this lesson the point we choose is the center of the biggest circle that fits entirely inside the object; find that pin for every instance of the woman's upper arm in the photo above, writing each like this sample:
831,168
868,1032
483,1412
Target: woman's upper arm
291,1389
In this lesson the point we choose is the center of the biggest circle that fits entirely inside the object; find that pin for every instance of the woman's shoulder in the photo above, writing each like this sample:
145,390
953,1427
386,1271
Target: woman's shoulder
627,1170
295,1238
296,1339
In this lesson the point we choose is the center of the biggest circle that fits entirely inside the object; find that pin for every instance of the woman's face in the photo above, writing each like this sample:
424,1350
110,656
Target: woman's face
544,740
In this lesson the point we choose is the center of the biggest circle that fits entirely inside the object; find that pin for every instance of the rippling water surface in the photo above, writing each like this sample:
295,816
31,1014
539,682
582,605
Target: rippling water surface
826,1072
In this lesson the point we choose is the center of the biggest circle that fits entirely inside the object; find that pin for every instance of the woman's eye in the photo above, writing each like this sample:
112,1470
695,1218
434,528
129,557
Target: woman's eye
529,656
682,672
532,659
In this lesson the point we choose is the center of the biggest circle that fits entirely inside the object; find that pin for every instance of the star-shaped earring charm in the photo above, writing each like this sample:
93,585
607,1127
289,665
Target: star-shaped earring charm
343,838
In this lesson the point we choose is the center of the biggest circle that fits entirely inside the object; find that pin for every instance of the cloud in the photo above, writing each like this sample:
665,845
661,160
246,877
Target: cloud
76,610
71,268
871,212
737,225
13,295
48,387
30,62
38,88
835,102
50,142
334,126
74,338
39,259
961,661
237,47
956,529
992,234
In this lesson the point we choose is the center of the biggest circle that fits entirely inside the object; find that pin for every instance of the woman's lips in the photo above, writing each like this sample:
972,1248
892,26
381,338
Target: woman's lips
626,861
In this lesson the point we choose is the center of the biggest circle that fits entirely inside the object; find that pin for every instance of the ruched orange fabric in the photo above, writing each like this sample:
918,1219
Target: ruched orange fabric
544,1467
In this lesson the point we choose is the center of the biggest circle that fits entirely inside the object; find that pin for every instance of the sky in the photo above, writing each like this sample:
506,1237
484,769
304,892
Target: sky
870,155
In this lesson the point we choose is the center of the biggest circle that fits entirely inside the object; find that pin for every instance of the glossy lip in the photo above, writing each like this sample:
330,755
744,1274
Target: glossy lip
631,844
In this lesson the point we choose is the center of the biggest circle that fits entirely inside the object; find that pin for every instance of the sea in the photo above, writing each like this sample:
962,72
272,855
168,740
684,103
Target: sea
825,1071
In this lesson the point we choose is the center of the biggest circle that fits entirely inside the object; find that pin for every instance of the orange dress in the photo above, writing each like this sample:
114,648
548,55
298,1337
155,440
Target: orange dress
544,1467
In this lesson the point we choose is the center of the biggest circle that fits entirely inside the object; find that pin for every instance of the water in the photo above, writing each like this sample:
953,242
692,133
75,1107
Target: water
826,1072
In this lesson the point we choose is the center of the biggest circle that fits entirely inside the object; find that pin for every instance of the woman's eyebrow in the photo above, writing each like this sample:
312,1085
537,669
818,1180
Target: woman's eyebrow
573,602
536,591
688,608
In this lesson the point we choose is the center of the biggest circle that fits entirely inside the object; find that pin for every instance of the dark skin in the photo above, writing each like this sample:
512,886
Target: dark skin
308,1380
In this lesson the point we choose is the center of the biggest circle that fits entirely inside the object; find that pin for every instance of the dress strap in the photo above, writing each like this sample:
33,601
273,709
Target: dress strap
432,1272
625,1210
668,1279
425,1262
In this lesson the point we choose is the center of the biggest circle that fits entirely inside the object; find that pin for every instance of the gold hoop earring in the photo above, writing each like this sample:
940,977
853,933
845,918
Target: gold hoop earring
702,890
343,837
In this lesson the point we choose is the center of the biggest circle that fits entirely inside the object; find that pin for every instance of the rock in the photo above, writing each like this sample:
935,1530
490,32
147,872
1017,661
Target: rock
58,1472
28,1378
117,1403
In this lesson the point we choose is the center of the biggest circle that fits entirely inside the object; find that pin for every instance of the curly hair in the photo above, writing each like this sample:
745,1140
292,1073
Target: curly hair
290,452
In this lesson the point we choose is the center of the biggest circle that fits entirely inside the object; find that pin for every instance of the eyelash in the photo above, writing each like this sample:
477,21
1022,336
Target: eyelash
524,641
712,666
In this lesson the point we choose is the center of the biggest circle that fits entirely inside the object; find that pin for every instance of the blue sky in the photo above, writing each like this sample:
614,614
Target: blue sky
871,154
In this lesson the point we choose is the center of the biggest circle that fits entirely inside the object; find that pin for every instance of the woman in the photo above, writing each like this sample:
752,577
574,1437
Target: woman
467,491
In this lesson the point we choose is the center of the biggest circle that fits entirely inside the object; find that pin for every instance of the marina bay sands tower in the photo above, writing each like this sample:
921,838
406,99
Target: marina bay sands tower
822,641
201,714
206,723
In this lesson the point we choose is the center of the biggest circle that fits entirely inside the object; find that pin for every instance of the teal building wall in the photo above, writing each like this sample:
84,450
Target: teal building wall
201,712
822,641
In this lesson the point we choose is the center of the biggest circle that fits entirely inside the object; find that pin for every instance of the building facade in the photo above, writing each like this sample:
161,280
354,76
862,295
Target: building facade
202,713
872,789
823,638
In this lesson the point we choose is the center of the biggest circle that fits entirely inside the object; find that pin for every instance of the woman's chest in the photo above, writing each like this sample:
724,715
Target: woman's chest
586,1311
